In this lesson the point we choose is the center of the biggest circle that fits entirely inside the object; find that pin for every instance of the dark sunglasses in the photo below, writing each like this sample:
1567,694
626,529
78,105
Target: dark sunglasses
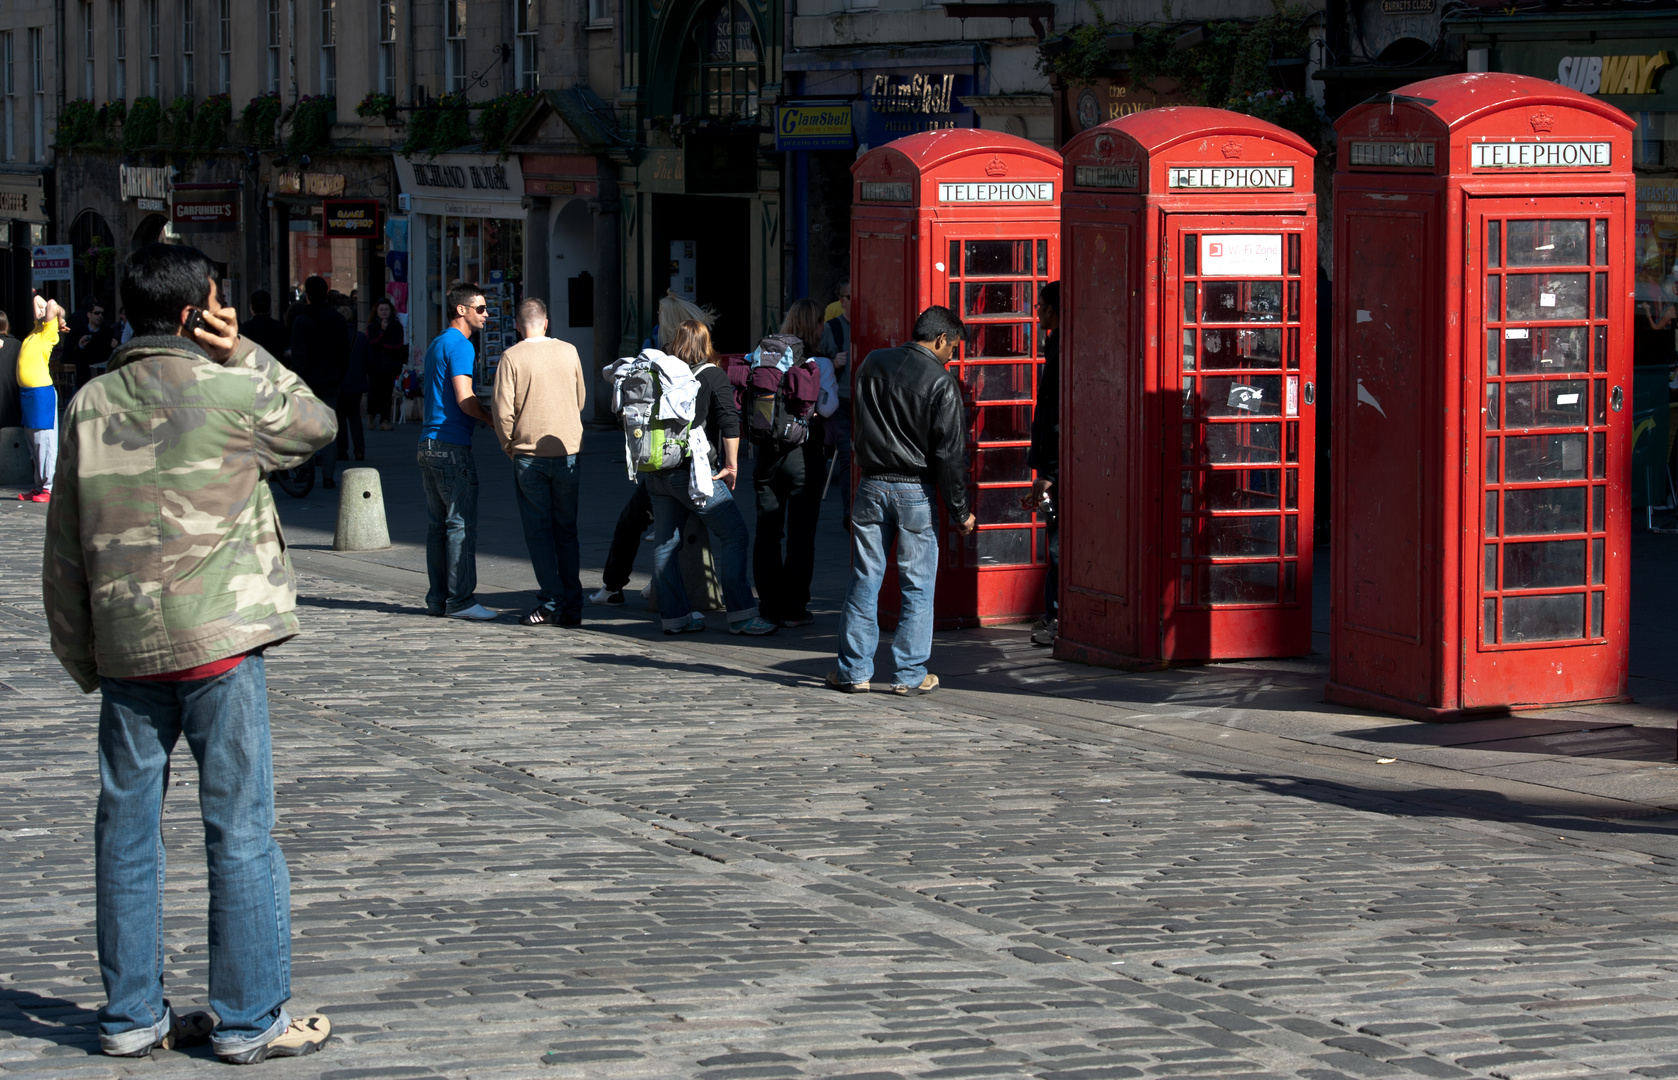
481,308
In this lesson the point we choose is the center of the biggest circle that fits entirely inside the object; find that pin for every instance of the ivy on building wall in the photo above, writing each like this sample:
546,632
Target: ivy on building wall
209,123
176,126
501,116
438,127
377,106
143,124
311,124
79,125
257,120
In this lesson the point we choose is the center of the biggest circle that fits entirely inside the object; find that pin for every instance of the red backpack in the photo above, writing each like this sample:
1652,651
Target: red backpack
781,393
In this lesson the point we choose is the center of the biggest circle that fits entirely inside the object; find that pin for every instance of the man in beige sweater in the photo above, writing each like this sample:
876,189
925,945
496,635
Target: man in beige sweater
539,391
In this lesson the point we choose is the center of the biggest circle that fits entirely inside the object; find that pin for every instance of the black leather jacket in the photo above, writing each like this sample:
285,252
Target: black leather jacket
909,423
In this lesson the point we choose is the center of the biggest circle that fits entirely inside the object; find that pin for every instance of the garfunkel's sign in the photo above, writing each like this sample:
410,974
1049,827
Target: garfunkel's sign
139,182
1248,177
997,191
1541,155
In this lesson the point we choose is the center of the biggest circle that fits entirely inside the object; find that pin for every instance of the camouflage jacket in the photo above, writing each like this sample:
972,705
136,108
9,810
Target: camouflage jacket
163,548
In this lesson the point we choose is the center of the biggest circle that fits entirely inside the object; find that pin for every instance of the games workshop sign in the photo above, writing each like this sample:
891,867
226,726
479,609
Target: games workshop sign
350,218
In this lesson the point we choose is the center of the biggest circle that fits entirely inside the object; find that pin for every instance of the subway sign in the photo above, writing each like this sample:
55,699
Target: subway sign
1541,155
1632,74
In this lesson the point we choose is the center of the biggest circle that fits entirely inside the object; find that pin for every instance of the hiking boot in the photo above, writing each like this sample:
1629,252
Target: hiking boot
304,1035
191,1029
754,627
832,682
927,686
696,625
609,597
1046,630
544,615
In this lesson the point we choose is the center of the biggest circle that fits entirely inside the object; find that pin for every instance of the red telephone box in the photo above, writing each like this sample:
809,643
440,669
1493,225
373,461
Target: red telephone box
1483,307
970,219
1188,362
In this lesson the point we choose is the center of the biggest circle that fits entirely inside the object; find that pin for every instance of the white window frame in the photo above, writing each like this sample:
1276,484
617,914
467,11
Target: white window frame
454,45
600,14
387,46
224,72
8,92
527,21
189,31
154,49
274,59
119,49
90,52
38,97
328,31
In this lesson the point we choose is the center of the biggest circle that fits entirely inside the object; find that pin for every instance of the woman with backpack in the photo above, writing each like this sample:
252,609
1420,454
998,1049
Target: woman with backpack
787,472
672,499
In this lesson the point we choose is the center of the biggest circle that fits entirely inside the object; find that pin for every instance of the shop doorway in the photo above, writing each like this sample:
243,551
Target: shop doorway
490,252
720,228
96,257
571,288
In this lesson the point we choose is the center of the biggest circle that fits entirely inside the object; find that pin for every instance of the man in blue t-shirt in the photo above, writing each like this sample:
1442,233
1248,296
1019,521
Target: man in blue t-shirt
445,460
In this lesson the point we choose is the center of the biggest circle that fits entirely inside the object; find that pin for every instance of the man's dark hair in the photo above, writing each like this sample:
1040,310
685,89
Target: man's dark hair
161,279
1050,296
261,302
936,320
315,289
844,283
462,295
5,324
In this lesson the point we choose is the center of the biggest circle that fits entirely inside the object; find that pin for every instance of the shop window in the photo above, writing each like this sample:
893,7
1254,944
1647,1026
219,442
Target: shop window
725,66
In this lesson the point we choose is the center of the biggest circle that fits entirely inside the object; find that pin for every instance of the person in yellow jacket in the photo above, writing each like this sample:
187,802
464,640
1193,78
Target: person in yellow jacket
40,400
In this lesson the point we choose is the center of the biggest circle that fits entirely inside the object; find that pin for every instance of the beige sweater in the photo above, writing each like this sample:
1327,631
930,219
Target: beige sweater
539,392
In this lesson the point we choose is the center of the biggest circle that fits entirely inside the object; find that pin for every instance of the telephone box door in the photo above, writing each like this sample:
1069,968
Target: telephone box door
1544,589
1237,393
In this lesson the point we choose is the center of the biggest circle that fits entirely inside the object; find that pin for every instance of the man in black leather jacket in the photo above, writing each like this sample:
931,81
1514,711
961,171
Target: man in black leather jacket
911,435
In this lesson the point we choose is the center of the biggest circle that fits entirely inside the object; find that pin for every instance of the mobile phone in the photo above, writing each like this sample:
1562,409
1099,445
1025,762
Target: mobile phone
193,322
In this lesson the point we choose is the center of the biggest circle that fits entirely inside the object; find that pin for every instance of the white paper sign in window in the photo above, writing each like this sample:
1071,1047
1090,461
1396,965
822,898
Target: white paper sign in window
1241,255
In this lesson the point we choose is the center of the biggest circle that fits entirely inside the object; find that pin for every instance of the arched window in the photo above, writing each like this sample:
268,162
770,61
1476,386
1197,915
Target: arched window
725,65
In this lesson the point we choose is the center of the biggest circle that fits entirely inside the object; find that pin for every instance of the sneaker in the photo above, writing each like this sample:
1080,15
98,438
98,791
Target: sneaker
754,627
544,615
191,1029
647,593
41,496
304,1035
927,686
1045,632
803,618
477,612
609,597
28,496
833,683
696,625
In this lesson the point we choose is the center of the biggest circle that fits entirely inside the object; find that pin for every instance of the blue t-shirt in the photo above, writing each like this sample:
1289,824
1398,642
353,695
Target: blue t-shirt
450,354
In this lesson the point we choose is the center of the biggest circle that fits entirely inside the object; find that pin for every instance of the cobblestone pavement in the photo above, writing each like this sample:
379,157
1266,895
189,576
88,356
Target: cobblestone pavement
589,854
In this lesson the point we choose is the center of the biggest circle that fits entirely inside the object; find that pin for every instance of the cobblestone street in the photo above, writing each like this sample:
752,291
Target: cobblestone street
604,853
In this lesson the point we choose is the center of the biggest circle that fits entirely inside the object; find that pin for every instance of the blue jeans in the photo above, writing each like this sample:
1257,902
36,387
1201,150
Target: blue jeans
451,531
671,506
225,721
546,489
880,512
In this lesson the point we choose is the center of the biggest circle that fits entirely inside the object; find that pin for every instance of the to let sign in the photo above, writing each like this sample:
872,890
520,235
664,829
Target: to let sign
351,218
53,262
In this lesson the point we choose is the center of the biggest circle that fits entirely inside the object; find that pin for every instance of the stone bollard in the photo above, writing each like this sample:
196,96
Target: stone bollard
361,512
17,468
699,574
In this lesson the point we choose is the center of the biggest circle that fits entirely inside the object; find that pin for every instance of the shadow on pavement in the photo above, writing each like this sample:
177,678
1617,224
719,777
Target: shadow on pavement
31,1016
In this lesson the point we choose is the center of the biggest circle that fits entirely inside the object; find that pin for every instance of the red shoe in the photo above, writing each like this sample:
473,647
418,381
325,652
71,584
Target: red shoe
27,496
41,496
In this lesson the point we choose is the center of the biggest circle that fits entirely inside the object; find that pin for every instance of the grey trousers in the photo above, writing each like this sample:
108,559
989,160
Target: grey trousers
43,449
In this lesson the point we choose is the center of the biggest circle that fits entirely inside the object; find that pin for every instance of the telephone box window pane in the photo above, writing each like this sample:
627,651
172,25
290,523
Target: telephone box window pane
1602,296
955,260
1491,568
1293,489
1191,252
1546,404
1548,296
1489,617
1243,444
1598,509
1549,564
1544,350
1536,458
1288,571
1293,348
1539,511
1243,536
1001,464
999,382
1004,547
1542,618
1548,243
1293,301
1188,537
1188,350
1494,298
1596,614
1599,455
997,339
1599,401
1601,348
1001,506
1189,303
1002,423
1241,395
1042,257
1241,489
1293,253
1290,538
1494,340
1185,587
1188,395
1596,561
1601,243
997,298
1492,407
1494,243
955,297
1293,442
1231,348
1491,461
996,257
1240,583
1491,513
1188,444
1241,301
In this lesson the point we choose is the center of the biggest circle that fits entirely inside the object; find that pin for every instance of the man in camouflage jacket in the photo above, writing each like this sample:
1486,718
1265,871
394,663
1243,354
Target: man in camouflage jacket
165,577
